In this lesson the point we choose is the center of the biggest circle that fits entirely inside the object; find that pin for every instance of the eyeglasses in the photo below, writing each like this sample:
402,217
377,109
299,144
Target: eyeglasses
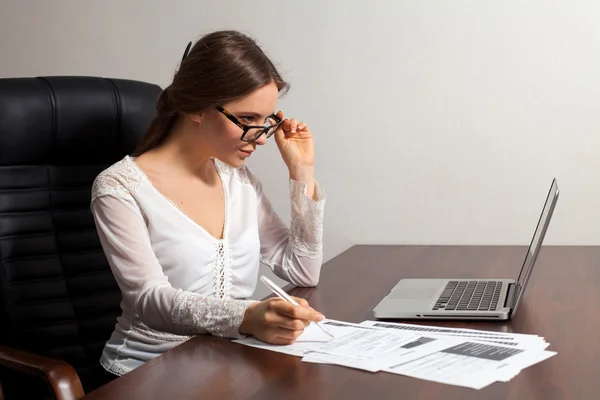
253,132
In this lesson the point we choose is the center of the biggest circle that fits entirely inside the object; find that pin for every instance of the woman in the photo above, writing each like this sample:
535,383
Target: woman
184,223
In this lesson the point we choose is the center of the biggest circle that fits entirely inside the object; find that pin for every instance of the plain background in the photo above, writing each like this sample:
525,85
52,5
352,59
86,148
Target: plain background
435,122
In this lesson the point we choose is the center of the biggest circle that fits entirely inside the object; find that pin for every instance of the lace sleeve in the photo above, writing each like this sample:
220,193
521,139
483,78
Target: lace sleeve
120,180
307,220
293,252
219,317
145,288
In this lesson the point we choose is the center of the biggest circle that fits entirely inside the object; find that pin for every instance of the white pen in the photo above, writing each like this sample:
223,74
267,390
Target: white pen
285,297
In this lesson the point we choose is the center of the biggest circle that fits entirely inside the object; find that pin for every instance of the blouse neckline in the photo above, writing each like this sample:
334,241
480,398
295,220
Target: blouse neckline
218,166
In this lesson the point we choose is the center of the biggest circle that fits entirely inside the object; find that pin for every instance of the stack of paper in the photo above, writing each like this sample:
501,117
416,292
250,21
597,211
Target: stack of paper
464,357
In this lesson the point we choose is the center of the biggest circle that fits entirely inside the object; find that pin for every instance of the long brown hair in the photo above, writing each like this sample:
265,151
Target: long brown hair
222,66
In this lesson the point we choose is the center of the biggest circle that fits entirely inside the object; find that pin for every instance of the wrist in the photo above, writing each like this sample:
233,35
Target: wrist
246,327
302,173
305,174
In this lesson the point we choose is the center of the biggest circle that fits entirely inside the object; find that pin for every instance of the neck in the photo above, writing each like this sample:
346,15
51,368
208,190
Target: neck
186,152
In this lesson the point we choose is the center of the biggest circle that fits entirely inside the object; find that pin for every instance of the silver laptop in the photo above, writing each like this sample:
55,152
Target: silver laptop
467,299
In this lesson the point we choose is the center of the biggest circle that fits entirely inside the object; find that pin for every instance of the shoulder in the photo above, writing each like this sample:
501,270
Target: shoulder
120,180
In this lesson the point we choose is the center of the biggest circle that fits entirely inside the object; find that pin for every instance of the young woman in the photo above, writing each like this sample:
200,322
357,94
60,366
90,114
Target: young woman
184,223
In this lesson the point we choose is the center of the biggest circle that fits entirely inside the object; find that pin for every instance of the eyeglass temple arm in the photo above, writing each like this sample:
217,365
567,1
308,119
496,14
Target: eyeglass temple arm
232,118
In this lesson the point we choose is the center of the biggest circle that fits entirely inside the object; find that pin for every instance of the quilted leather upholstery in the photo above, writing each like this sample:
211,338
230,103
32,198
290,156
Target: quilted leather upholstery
57,294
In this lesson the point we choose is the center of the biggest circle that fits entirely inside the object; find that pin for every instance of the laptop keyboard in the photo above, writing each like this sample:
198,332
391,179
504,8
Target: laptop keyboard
469,295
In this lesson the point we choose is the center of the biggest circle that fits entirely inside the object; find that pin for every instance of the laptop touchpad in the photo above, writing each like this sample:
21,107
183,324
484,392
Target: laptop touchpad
416,289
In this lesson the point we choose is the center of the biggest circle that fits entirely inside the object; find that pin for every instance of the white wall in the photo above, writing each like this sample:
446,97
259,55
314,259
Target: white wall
436,122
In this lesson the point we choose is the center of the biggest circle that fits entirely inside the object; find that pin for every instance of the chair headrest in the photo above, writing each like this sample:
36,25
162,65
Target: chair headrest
72,120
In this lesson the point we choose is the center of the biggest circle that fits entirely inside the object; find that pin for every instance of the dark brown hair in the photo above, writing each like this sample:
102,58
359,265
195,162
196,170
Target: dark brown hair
222,66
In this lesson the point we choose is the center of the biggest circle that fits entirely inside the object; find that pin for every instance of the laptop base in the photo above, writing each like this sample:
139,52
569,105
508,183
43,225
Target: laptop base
420,299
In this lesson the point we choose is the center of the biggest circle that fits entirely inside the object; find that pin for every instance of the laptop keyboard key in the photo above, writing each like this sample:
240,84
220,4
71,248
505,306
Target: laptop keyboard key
469,295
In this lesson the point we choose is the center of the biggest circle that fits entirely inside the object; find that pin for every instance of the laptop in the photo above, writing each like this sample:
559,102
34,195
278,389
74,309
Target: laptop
467,299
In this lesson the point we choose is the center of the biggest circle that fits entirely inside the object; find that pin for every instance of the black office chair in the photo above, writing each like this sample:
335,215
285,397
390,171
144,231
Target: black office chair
58,298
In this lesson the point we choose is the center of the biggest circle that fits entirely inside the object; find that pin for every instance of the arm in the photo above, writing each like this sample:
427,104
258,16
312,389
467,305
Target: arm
293,253
144,286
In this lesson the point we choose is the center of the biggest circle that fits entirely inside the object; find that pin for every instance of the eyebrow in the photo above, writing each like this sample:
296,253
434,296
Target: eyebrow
252,114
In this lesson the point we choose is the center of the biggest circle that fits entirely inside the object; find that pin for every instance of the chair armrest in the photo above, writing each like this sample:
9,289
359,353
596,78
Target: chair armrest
61,376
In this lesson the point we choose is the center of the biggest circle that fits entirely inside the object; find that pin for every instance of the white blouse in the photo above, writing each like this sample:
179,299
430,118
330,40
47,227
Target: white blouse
176,279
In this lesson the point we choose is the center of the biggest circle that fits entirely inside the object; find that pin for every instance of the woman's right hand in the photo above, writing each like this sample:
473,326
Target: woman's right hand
276,321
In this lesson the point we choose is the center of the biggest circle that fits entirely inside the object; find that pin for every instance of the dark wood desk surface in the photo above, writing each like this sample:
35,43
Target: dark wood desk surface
562,303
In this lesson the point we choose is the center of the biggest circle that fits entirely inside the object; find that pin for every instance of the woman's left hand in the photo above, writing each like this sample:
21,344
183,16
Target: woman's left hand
295,144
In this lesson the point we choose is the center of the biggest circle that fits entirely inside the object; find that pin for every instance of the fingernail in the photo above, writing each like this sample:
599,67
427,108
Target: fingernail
293,130
320,317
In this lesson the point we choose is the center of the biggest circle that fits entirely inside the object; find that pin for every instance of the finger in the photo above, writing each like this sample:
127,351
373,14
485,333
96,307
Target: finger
307,313
286,333
281,337
296,312
286,125
278,311
279,341
280,131
293,324
280,139
277,320
301,301
293,125
301,126
289,310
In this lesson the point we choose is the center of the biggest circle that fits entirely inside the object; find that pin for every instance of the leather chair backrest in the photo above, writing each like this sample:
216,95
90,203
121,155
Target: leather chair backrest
58,296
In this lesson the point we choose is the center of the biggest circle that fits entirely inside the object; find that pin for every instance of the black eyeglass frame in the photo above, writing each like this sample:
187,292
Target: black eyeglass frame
245,128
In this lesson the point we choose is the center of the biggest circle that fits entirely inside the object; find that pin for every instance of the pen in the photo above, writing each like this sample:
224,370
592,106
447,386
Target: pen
285,297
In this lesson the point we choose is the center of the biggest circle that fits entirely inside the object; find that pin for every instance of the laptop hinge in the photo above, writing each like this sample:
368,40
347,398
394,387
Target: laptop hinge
510,296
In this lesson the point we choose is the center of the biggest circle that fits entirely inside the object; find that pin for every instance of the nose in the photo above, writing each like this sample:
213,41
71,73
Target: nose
262,140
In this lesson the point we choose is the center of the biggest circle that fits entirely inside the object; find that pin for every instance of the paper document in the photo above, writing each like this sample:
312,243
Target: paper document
308,343
509,339
312,333
464,357
471,364
406,347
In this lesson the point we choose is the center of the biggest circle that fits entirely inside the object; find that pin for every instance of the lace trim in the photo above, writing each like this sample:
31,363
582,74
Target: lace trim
243,175
121,180
154,334
307,220
307,216
224,169
193,314
222,276
113,367
229,264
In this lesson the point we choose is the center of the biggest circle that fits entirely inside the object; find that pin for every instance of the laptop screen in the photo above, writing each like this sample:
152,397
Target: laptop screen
534,247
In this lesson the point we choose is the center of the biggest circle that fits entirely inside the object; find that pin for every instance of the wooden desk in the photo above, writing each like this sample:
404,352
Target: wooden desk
562,303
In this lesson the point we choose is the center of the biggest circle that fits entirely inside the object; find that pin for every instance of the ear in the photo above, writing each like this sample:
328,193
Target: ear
197,118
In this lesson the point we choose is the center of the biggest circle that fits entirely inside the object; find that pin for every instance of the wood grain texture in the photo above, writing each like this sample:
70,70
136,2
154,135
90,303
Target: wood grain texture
562,303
